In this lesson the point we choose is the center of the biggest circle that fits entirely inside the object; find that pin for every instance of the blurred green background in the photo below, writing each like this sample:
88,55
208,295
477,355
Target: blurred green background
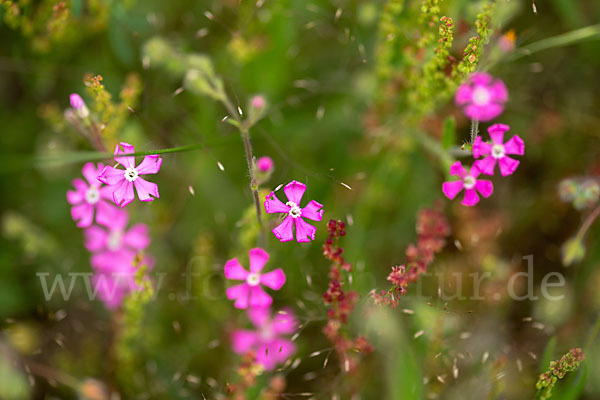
331,119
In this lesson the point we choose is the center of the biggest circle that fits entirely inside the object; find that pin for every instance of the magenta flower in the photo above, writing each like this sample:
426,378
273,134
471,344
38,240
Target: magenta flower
482,97
497,151
89,198
116,238
469,182
265,164
123,180
313,211
267,343
250,293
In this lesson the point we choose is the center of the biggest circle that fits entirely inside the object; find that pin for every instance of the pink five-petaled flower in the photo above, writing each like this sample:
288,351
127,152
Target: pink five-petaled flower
116,237
250,293
123,180
89,197
267,343
313,210
497,151
482,97
469,182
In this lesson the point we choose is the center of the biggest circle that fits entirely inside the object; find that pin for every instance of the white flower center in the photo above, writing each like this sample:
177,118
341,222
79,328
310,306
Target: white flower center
253,279
481,96
295,211
498,151
92,195
113,242
131,174
469,182
266,333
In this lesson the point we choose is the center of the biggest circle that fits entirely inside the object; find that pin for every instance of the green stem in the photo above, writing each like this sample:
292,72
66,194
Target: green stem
592,337
589,220
474,129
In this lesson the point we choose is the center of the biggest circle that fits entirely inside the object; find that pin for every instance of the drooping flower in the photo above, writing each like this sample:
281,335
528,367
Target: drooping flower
78,105
469,182
249,293
267,342
313,211
115,237
497,151
264,164
482,97
123,180
90,198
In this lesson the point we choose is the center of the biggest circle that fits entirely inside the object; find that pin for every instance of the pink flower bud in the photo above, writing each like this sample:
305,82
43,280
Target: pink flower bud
78,105
258,102
265,164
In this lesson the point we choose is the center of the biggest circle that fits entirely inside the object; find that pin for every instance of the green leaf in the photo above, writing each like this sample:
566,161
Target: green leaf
548,354
573,385
76,7
449,133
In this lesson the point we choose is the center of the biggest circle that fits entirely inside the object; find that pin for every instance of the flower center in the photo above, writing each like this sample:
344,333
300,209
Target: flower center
481,96
469,182
498,151
92,195
131,174
295,211
113,242
266,333
253,279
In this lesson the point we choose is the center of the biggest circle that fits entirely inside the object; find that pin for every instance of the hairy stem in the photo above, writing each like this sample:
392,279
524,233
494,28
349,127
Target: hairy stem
589,220
474,129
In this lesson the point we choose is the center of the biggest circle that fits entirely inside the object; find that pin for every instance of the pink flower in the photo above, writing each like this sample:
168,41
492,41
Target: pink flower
469,182
123,181
90,197
497,151
267,343
78,105
265,164
250,293
313,210
116,237
482,97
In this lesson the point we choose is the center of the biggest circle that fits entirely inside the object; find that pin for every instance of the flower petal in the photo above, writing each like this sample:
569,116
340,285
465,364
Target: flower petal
259,316
234,270
496,132
515,146
486,165
150,165
137,237
507,165
294,191
239,293
484,113
111,176
451,189
105,212
463,95
83,214
480,148
145,189
90,172
471,198
259,298
242,341
499,92
457,169
313,210
305,232
274,352
95,238
258,258
480,78
274,205
484,187
285,231
284,322
123,194
125,148
274,279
